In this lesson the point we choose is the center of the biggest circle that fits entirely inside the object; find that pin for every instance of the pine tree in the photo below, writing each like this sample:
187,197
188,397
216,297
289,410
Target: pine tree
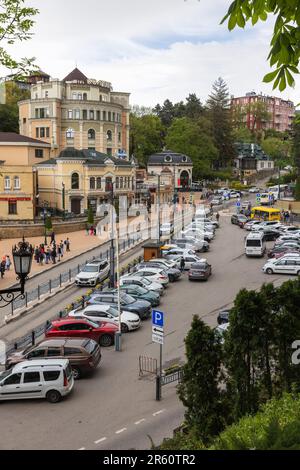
91,219
296,155
48,223
218,105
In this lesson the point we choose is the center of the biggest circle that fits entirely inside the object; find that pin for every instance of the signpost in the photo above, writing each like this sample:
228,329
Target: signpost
258,198
238,206
158,337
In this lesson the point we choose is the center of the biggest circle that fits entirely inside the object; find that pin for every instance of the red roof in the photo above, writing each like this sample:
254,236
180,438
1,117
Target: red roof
12,137
76,75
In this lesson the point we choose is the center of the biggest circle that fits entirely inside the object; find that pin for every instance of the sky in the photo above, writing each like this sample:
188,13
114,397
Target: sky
154,49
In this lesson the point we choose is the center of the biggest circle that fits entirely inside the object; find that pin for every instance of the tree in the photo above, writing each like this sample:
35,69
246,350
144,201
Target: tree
285,44
193,138
9,112
200,389
193,107
219,113
16,22
243,135
48,223
91,218
166,113
259,113
278,149
146,136
296,156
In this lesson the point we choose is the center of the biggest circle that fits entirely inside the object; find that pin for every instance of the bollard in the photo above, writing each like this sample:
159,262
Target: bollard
50,286
83,301
158,388
118,341
39,292
33,337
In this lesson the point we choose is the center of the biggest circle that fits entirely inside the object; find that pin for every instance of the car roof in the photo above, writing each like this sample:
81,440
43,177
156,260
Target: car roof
36,363
94,308
68,320
56,342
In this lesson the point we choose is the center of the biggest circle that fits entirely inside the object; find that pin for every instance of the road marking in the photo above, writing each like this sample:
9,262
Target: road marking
121,430
140,421
158,412
82,448
101,440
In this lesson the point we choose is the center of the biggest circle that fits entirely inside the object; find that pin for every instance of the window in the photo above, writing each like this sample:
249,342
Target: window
24,120
114,117
7,182
98,116
100,98
70,133
36,353
84,96
109,115
117,182
12,207
77,113
72,352
92,183
104,115
99,182
121,182
70,114
46,94
51,375
119,137
17,182
31,377
53,352
75,181
84,114
74,96
47,132
92,115
14,379
109,136
80,96
109,151
91,134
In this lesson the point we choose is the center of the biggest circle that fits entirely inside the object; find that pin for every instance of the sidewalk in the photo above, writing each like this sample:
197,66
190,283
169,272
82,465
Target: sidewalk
79,243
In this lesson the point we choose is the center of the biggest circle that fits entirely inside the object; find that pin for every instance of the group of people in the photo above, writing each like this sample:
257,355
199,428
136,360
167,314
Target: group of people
5,265
286,216
90,230
52,253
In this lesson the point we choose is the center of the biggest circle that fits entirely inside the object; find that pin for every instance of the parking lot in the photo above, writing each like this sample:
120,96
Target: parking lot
114,398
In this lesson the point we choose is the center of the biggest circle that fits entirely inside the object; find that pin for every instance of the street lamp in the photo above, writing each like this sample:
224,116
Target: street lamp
45,228
22,257
63,199
158,202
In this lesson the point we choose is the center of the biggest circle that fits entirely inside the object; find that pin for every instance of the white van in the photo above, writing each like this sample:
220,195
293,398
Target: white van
255,244
43,378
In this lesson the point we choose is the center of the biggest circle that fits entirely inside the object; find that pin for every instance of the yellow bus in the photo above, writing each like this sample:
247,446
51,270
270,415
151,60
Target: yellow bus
265,213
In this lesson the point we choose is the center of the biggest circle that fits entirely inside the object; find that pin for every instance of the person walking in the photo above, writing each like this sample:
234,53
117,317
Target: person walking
62,248
217,216
37,254
58,253
2,267
182,264
67,244
53,254
7,263
52,238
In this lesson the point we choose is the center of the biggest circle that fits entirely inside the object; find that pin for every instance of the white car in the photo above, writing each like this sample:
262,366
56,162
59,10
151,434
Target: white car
41,378
138,280
290,229
154,274
291,254
255,190
251,224
188,260
205,226
166,229
198,233
193,244
97,313
290,265
93,273
289,237
234,194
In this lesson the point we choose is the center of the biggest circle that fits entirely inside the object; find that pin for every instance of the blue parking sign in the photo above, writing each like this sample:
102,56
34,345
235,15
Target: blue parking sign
157,318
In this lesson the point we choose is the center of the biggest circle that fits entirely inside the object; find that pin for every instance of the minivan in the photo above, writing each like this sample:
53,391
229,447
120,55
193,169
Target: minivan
283,266
43,378
255,244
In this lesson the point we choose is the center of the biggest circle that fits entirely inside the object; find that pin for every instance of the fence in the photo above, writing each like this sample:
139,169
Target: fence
147,365
167,379
67,276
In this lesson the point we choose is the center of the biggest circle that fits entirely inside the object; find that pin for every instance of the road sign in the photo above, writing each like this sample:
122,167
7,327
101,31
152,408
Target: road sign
157,330
258,196
157,339
157,318
238,204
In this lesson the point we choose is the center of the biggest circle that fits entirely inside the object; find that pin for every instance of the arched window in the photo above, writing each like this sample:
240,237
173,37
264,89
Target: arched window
184,179
109,136
92,183
75,181
91,134
84,96
17,183
99,182
117,182
70,134
121,182
7,182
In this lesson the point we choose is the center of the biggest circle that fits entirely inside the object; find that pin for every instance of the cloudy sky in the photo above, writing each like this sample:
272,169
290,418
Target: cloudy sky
154,49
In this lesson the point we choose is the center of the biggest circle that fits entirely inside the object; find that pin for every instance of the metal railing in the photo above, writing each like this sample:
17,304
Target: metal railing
147,365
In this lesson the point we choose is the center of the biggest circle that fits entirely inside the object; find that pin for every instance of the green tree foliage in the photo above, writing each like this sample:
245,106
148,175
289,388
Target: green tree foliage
166,112
278,149
146,136
48,223
193,138
200,389
243,135
285,43
260,114
9,112
296,156
16,22
91,218
218,105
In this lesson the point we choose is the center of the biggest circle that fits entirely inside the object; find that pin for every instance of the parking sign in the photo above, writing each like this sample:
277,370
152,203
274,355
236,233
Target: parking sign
157,318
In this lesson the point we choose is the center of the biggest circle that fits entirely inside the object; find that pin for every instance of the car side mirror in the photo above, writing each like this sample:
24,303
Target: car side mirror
90,329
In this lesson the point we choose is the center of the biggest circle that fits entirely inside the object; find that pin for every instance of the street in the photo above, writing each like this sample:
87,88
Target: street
114,408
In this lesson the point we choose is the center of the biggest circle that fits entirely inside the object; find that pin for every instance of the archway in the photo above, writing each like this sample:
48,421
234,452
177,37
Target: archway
184,179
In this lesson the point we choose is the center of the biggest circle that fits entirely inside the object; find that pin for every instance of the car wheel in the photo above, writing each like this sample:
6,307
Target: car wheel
172,279
76,373
269,271
53,396
298,273
106,340
124,328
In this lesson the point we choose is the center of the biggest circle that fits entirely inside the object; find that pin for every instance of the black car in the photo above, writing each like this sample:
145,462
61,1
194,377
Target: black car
239,219
140,293
271,235
223,317
128,303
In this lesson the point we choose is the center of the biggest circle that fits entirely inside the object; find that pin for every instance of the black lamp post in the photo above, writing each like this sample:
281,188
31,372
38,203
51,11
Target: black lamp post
22,256
63,199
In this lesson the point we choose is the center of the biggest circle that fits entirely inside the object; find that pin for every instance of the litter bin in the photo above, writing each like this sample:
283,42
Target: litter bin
118,341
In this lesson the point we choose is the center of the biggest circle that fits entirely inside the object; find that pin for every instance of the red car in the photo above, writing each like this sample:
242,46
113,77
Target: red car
103,333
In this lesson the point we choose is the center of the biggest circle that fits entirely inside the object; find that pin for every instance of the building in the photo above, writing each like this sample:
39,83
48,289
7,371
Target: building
18,177
251,159
78,179
178,165
77,112
282,112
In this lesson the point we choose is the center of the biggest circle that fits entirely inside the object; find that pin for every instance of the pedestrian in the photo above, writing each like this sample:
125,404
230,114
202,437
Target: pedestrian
182,264
37,254
48,255
59,254
62,248
52,237
95,231
217,216
68,244
2,267
92,230
7,263
53,255
42,258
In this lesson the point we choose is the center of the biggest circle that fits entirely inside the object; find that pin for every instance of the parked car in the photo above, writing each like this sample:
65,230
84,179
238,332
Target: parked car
98,313
155,274
255,190
289,244
216,201
197,233
84,354
283,266
269,233
280,250
251,224
290,228
207,220
103,333
239,219
137,280
288,255
189,260
43,378
234,194
141,307
173,273
200,271
141,293
193,244
223,317
93,273
166,229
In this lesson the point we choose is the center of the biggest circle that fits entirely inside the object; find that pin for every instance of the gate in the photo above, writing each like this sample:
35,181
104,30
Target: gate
147,365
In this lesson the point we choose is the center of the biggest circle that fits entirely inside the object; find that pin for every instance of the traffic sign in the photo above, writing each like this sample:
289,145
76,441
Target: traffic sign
258,196
157,339
157,330
238,204
157,318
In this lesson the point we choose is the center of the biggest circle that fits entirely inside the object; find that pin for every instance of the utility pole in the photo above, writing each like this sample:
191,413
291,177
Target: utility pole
112,241
158,203
64,199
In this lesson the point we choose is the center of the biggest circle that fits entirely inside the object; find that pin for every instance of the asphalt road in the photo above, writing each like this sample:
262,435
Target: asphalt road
114,408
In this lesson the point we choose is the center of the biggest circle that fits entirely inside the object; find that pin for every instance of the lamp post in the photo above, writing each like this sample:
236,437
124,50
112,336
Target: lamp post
22,257
45,228
63,199
158,202
112,242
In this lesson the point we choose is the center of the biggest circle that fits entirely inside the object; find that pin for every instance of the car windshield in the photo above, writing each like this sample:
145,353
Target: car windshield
92,324
127,299
90,346
146,281
140,290
113,311
5,374
90,269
